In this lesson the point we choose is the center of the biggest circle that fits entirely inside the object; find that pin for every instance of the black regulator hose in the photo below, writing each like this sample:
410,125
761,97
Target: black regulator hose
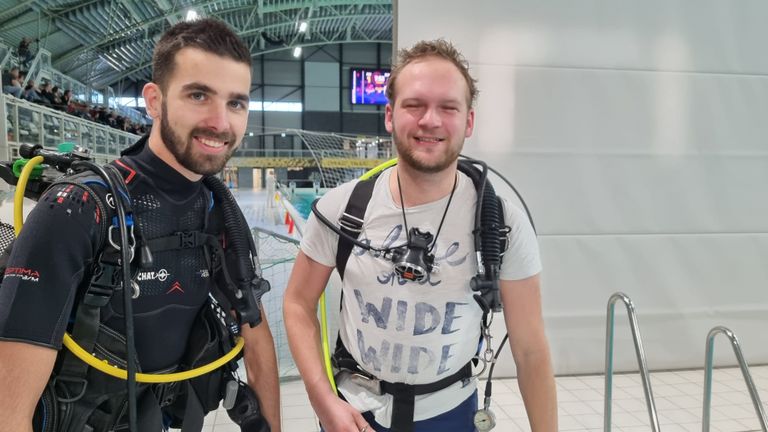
60,161
236,238
239,247
488,232
353,240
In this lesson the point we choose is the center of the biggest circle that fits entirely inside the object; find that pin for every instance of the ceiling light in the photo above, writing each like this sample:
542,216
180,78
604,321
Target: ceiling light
191,15
297,52
303,26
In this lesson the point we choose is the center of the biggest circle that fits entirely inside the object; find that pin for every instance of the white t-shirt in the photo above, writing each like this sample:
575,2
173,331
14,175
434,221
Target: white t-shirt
411,332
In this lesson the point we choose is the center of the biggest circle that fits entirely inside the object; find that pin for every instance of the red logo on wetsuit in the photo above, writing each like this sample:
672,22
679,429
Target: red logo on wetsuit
23,273
63,194
175,287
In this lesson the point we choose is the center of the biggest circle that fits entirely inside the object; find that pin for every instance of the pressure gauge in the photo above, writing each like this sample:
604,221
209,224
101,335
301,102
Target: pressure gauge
485,420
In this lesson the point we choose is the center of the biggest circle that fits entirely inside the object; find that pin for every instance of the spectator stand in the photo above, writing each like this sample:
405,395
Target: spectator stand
25,122
79,90
39,69
134,115
86,100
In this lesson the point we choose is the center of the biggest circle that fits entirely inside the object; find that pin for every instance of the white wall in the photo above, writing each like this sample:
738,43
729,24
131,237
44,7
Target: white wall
638,133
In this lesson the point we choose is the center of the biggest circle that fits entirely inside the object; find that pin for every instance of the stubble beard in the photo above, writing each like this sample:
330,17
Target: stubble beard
184,152
408,156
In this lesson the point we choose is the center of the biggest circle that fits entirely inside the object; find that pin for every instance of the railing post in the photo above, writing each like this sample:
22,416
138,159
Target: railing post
608,395
16,128
708,365
640,353
6,57
4,147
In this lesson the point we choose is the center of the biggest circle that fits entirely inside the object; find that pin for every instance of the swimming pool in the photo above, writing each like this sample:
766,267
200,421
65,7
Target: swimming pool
302,200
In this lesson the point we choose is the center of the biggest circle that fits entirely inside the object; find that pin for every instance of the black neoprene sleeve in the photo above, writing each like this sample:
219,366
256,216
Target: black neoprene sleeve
47,263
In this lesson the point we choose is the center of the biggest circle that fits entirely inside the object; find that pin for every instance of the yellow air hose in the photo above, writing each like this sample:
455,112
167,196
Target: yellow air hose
18,197
325,340
77,350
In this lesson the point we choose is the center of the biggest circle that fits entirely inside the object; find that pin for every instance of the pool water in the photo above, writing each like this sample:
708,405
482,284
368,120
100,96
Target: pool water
302,200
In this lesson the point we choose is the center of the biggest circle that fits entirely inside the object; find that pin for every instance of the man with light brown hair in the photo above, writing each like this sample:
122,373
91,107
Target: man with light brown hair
408,333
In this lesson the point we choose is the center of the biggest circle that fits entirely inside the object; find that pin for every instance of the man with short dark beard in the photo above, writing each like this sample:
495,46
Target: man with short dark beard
198,98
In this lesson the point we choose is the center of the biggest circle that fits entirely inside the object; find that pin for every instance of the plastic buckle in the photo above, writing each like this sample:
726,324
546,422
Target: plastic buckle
351,223
186,239
102,286
166,393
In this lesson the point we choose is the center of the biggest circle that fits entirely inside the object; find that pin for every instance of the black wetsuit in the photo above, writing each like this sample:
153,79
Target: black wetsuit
57,247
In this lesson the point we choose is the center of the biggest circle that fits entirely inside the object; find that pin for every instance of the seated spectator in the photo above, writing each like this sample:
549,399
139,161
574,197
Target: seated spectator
56,101
12,82
101,115
66,97
30,93
79,109
112,119
46,93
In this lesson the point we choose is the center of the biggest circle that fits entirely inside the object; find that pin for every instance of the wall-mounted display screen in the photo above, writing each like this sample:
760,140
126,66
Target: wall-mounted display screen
368,86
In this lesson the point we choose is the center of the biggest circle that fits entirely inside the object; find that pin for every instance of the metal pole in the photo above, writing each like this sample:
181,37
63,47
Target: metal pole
708,354
709,351
4,128
640,353
608,395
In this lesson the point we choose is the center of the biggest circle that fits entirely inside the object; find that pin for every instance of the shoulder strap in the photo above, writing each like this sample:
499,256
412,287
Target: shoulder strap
505,230
351,221
95,291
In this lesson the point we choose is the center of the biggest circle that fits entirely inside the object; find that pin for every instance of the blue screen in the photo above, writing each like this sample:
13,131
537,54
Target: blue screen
368,86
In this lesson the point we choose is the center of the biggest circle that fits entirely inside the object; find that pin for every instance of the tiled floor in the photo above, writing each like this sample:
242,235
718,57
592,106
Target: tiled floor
678,397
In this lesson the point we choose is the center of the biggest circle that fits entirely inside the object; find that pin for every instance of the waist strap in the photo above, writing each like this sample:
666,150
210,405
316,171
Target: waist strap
403,395
181,240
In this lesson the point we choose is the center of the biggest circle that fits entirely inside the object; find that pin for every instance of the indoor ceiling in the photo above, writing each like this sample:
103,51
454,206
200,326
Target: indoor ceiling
105,42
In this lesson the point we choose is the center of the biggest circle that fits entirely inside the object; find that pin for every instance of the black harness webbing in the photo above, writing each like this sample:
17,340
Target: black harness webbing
90,401
403,395
351,222
86,326
181,240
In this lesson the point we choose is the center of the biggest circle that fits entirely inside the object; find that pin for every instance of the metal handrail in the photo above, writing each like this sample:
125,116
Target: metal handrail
33,70
640,360
275,234
709,354
6,56
112,144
